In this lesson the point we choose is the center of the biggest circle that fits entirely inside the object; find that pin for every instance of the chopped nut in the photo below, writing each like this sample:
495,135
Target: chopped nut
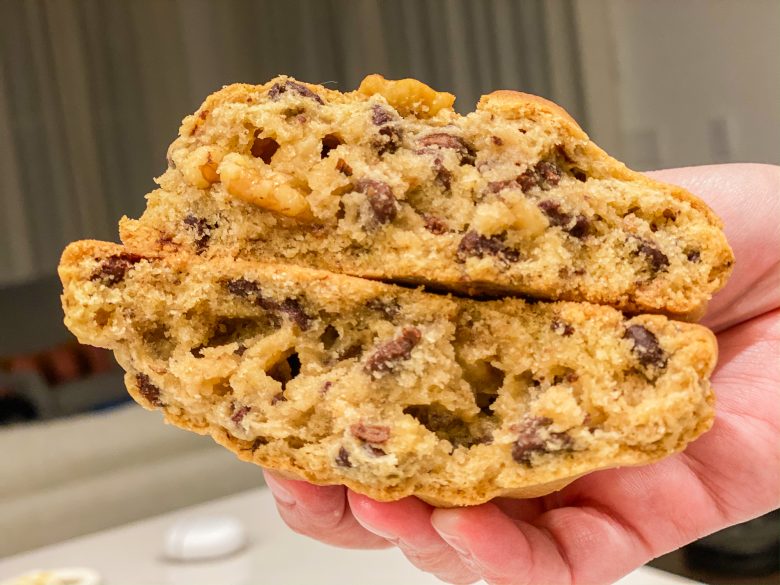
200,167
407,96
252,181
511,212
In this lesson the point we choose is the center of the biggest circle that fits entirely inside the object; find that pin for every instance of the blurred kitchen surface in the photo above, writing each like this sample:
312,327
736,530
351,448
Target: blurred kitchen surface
92,92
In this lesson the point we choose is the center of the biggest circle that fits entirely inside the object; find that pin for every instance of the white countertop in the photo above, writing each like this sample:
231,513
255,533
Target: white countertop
132,555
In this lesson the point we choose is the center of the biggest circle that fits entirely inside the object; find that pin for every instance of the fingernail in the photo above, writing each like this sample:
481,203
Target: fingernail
280,493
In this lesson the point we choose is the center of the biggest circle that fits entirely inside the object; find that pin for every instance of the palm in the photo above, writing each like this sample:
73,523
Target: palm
608,523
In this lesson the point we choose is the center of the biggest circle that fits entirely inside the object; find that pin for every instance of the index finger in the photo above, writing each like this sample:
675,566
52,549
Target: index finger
747,199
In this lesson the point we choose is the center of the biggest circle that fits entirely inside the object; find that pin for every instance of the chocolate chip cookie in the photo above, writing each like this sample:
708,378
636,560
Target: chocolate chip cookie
389,182
389,390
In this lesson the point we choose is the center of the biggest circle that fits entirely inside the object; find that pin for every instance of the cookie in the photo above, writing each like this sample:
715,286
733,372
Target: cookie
392,391
388,182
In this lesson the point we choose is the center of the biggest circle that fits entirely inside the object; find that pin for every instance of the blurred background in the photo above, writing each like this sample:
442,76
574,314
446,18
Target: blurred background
92,92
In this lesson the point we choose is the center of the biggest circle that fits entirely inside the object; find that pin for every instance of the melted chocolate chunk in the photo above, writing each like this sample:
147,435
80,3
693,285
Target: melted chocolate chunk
380,116
239,414
646,347
443,174
370,433
202,229
149,391
113,269
533,437
381,199
474,244
443,140
342,459
395,350
693,256
279,88
497,186
250,290
578,226
544,174
389,141
656,260
434,224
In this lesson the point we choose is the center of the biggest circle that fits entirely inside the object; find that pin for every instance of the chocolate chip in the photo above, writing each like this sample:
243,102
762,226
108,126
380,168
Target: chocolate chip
497,186
389,309
578,226
443,140
496,140
240,349
292,308
330,142
112,270
241,287
395,350
533,438
389,140
343,167
247,289
693,255
562,327
374,451
380,198
548,173
543,174
380,116
264,148
370,433
434,224
326,386
289,85
148,390
443,174
342,459
656,259
646,347
278,397
202,230
239,414
474,244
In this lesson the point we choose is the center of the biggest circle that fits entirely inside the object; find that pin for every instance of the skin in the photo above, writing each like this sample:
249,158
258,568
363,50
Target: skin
608,523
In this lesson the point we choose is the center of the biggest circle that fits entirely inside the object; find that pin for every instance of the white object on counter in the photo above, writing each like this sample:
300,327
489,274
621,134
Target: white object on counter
204,537
132,554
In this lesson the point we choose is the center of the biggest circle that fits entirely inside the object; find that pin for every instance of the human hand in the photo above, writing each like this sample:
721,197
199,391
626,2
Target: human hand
609,522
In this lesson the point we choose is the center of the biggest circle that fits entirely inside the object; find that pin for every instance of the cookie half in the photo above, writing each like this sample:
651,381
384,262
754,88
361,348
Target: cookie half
389,182
391,391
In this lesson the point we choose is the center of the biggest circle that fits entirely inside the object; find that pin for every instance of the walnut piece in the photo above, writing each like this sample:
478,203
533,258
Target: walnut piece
253,181
408,96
